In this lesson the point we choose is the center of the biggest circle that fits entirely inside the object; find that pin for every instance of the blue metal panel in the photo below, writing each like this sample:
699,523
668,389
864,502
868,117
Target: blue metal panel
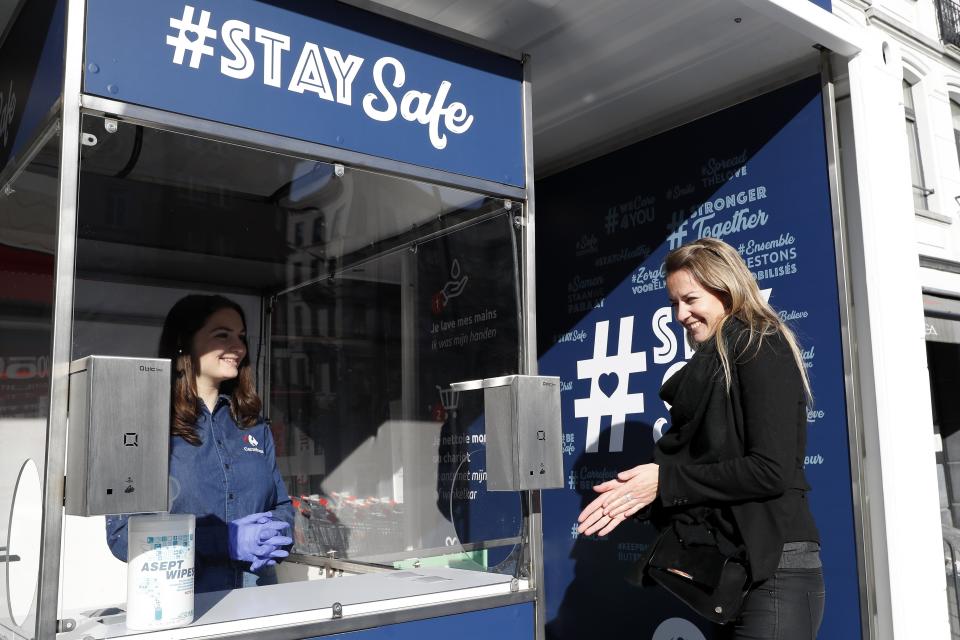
31,74
756,176
318,71
514,622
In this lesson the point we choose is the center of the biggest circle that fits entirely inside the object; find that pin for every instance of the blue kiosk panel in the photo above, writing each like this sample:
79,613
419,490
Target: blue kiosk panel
505,623
323,72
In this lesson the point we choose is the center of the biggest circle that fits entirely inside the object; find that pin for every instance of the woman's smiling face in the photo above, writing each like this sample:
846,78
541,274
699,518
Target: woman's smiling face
698,309
220,346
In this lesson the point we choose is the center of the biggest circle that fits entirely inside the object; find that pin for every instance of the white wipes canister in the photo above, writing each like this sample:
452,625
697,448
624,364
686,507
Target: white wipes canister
160,571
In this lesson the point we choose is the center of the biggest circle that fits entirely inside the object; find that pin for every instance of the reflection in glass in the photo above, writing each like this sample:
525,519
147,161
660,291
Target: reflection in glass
23,543
28,219
382,455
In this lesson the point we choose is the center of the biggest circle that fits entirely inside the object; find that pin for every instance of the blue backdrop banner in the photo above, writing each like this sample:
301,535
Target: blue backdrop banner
323,72
754,175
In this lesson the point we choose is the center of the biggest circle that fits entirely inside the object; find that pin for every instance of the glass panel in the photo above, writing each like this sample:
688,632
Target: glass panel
955,113
920,191
916,169
27,248
364,296
387,462
907,96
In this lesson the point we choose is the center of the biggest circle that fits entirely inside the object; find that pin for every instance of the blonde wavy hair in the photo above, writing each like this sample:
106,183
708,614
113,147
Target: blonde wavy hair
718,267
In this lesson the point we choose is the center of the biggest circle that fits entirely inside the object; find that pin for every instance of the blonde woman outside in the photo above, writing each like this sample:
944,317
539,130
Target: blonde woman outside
729,471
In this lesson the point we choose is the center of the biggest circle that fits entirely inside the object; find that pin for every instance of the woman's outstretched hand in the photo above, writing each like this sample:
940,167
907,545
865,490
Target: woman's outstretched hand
619,498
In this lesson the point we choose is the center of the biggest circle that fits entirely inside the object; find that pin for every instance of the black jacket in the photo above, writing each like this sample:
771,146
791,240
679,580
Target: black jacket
739,455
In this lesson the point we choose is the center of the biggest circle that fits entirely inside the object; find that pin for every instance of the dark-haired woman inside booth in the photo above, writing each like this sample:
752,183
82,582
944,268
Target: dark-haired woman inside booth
223,465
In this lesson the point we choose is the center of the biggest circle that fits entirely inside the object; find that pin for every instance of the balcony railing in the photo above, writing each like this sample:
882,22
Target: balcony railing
948,14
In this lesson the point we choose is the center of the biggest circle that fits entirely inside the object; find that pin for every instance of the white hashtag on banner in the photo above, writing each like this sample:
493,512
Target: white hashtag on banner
182,43
606,399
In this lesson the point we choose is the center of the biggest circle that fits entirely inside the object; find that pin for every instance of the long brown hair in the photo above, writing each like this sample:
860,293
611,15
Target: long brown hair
718,267
183,321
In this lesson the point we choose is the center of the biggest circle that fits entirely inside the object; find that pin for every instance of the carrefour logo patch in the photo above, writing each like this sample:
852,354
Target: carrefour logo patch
251,443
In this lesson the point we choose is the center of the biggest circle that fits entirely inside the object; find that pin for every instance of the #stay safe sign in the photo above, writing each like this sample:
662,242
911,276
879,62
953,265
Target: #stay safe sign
322,72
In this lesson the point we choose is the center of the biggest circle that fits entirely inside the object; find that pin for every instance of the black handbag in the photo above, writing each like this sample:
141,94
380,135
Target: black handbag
709,582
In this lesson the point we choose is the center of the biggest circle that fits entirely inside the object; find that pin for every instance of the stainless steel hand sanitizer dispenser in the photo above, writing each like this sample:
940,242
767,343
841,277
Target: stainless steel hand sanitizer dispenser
524,433
119,436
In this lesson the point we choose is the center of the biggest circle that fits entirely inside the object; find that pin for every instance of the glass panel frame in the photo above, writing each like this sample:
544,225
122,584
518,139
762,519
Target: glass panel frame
49,622
458,215
28,247
431,349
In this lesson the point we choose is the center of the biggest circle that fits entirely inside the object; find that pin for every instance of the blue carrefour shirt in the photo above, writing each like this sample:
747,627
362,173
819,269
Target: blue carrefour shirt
231,474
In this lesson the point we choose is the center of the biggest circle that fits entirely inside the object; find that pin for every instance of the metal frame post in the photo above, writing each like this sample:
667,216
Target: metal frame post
849,347
54,465
535,504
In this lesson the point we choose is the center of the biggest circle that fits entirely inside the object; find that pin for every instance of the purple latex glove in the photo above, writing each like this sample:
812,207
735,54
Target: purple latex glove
255,539
271,549
269,560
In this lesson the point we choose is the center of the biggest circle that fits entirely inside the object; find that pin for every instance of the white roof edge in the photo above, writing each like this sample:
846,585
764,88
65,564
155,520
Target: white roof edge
813,21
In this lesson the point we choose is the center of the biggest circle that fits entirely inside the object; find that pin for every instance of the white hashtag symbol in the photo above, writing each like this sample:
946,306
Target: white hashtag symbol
182,42
609,377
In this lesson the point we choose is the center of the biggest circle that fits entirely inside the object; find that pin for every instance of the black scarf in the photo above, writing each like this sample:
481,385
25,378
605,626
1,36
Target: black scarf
703,430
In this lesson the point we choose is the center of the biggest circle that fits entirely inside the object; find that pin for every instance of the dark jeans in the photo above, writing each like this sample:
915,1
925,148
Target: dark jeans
786,606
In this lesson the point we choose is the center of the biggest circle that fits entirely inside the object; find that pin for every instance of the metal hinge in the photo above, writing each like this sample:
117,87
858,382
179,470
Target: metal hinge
66,625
